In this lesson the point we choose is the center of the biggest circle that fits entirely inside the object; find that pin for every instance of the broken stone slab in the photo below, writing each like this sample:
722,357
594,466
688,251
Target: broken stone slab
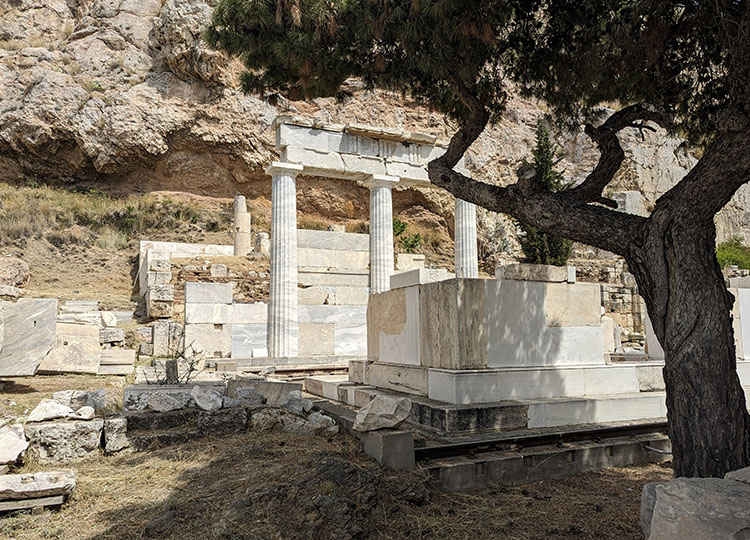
206,399
76,350
12,443
250,396
163,402
218,270
116,434
61,442
109,319
49,409
75,399
276,393
382,412
111,335
29,334
35,485
135,396
84,413
705,508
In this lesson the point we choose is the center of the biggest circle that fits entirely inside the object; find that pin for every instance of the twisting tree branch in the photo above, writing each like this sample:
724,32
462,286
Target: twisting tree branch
612,154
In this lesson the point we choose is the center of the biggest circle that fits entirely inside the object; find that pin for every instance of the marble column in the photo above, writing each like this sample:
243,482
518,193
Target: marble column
381,231
467,261
243,240
283,325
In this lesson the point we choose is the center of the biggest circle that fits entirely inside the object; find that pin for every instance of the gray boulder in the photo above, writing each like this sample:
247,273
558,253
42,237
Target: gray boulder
75,399
116,434
206,399
705,508
296,403
740,475
382,412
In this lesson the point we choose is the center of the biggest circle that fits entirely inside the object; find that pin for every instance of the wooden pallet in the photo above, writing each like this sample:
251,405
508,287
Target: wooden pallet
22,504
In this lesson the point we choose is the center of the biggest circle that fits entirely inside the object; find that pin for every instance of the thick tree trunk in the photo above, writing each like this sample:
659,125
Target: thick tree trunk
690,309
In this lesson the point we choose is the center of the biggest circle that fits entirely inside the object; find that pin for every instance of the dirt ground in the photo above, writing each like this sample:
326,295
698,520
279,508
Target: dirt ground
260,485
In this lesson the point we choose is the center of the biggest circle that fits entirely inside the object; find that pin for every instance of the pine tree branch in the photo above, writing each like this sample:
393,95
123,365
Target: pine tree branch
611,152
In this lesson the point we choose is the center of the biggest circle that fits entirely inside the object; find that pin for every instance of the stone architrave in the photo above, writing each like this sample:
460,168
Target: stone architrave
381,231
283,325
243,241
467,261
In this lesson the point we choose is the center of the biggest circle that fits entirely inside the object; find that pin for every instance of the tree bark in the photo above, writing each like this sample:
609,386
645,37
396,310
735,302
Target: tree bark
690,309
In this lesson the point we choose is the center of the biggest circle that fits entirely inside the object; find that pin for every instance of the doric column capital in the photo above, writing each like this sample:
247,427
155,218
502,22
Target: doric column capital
279,168
381,180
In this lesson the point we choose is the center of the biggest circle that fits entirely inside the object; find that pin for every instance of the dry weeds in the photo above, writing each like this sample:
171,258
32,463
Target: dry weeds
182,492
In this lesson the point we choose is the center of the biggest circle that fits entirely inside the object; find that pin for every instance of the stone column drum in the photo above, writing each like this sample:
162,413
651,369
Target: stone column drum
381,232
243,240
283,325
467,261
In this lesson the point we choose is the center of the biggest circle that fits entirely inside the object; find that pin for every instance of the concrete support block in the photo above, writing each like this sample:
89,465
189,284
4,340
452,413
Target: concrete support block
391,448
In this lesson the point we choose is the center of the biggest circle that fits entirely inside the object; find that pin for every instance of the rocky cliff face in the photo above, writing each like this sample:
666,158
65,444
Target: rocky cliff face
122,94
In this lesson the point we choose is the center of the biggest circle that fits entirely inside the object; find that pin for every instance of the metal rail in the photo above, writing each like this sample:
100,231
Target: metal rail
529,441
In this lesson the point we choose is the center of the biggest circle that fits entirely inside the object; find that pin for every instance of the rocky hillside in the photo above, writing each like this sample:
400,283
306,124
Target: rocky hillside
122,95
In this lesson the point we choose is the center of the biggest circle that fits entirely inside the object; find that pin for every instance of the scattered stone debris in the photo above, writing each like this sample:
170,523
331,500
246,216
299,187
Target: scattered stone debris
297,404
19,491
705,508
271,419
382,412
14,272
49,409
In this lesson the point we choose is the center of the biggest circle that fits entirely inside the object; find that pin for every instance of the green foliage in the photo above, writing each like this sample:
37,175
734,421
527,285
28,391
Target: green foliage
410,242
539,247
733,252
689,57
398,227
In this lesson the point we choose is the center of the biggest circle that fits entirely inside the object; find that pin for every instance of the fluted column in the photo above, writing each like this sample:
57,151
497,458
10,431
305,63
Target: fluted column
283,325
467,261
243,241
381,232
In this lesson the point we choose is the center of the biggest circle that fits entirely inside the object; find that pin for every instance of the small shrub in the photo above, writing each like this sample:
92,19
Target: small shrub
398,227
409,242
539,247
359,227
313,223
733,252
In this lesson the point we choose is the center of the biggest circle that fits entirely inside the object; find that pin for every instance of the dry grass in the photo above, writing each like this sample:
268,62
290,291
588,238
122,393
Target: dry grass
21,394
182,492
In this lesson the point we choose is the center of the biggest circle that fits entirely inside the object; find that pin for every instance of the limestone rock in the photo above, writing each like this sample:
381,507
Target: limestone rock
75,399
115,434
61,442
32,486
84,413
318,421
705,508
9,293
740,475
161,402
49,409
296,403
382,412
206,399
111,335
14,272
12,443
109,319
249,396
